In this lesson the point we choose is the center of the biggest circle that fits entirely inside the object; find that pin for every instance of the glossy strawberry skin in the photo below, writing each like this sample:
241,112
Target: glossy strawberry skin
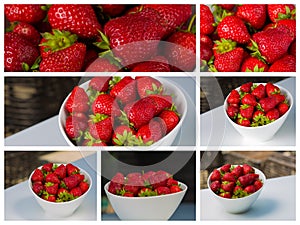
254,14
156,64
100,83
102,130
253,64
170,118
101,65
206,20
78,19
275,9
223,62
75,126
125,90
77,101
28,31
148,85
28,13
285,64
150,132
103,104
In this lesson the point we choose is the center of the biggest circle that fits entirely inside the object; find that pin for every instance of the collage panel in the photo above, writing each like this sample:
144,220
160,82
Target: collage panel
50,185
157,186
89,111
248,111
248,185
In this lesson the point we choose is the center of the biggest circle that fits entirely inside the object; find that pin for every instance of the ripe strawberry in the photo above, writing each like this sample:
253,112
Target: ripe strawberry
229,177
248,179
259,91
19,53
61,192
37,176
206,20
75,127
148,85
156,64
206,40
116,183
71,181
76,18
77,101
253,64
124,90
290,24
162,102
273,114
225,195
162,190
52,177
27,31
249,189
232,111
100,83
258,184
172,182
28,13
292,49
72,169
104,104
234,97
61,171
271,89
243,121
76,192
175,189
246,111
144,192
247,169
142,112
270,45
228,7
279,98
122,135
216,175
102,64
249,99
267,103
246,87
232,27
159,178
237,171
225,168
112,10
285,64
281,11
38,187
215,186
258,118
254,14
170,118
151,132
100,127
206,54
47,167
51,188
227,186
283,108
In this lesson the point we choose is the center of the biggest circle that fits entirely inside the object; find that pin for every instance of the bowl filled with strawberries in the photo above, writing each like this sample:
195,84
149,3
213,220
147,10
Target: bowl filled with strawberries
59,188
236,187
123,111
152,195
258,110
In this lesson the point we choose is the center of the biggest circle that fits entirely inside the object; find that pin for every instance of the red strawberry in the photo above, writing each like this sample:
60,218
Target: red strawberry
253,64
225,195
162,190
206,54
225,168
148,85
84,186
273,114
61,192
248,179
19,53
71,181
246,87
175,189
290,24
122,135
51,188
52,177
172,182
72,169
281,11
77,101
144,192
47,167
104,104
272,89
170,118
100,83
246,111
232,27
112,10
271,44
28,13
292,49
206,40
215,186
232,111
279,98
151,132
259,91
285,64
237,171
37,176
75,127
38,187
216,175
254,14
258,184
206,20
283,108
61,171
229,177
78,19
116,183
228,7
247,169
249,99
234,97
267,103
102,64
28,31
100,127
159,178
76,192
243,121
249,189
156,64
227,186
124,90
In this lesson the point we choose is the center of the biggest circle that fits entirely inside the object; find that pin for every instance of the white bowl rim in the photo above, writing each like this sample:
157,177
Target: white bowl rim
61,203
263,178
291,102
148,197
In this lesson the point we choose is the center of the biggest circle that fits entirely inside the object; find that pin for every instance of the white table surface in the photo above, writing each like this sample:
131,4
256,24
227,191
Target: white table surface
215,130
19,204
277,201
47,133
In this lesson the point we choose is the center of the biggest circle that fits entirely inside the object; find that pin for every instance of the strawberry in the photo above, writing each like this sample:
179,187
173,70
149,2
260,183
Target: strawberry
159,178
47,167
270,45
253,64
75,127
281,11
116,183
206,40
249,99
77,101
225,168
148,85
285,64
76,192
215,186
104,104
206,20
268,103
76,18
122,135
246,111
237,171
216,175
100,83
247,169
254,14
37,176
19,53
28,13
272,89
170,118
206,54
61,171
225,195
246,87
292,49
227,186
243,121
162,190
51,188
151,132
27,31
172,182
71,181
259,91
258,184
248,179
290,24
258,118
249,189
232,111
61,192
283,108
175,189
156,64
228,7
128,194
112,10
102,64
234,97
229,177
144,192
162,102
232,27
124,90
38,187
52,177
84,186
279,98
273,114
100,127
142,112
72,169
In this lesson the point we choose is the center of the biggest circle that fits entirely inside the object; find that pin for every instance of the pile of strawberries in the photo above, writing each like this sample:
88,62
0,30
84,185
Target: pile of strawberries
59,183
120,111
248,38
256,104
235,181
143,184
98,38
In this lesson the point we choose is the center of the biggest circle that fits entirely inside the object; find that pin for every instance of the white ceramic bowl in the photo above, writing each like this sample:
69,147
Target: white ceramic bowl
169,88
146,208
261,133
238,205
61,209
